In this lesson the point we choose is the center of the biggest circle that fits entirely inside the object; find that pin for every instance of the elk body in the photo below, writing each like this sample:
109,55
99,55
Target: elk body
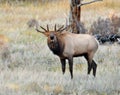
67,45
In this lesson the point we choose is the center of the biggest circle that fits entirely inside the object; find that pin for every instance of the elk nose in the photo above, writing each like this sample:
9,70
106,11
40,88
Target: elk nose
52,37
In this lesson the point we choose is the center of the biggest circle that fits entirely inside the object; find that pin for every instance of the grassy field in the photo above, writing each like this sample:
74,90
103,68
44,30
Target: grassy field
27,67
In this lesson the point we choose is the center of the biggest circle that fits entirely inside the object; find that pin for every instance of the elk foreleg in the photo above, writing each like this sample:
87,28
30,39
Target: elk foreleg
70,60
63,63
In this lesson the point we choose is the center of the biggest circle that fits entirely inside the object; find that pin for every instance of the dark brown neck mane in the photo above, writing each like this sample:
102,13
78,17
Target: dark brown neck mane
56,47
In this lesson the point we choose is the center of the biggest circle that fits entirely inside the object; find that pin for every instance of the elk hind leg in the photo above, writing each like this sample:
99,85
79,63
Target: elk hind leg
70,60
94,67
89,67
89,63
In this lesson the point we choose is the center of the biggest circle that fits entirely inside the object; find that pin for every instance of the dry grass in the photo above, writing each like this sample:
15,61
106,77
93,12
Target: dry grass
31,69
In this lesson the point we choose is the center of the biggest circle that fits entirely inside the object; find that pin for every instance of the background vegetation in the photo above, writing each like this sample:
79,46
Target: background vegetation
27,67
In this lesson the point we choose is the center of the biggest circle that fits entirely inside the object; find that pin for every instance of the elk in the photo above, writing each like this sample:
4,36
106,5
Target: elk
67,45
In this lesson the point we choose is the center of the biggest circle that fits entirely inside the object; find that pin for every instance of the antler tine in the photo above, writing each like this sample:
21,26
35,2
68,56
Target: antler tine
65,28
47,27
39,30
43,29
60,28
55,28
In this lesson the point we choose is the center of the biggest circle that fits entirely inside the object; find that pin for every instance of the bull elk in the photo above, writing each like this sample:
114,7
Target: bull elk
67,45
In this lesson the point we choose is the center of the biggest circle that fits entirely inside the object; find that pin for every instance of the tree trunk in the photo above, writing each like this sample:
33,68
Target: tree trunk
75,14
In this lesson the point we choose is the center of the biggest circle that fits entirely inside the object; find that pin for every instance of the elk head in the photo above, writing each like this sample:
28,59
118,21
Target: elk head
53,38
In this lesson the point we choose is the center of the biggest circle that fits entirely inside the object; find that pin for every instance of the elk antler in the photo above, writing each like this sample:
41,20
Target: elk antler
55,28
39,30
45,32
47,27
59,29
62,29
44,29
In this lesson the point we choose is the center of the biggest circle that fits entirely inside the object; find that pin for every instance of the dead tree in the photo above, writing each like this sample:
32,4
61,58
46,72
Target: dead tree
75,14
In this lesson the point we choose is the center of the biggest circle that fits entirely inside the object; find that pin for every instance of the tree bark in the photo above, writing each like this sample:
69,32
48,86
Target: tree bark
75,13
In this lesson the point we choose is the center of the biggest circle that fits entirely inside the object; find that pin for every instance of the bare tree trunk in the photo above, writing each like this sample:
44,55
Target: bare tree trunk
75,13
78,10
